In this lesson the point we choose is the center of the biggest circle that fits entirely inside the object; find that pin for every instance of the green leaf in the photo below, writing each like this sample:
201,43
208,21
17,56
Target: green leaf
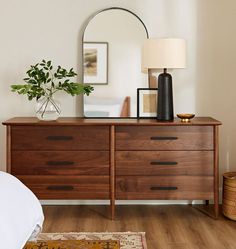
39,83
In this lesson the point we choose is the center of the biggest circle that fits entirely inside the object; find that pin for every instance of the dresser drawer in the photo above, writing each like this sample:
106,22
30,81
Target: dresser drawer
164,188
164,138
164,162
60,163
68,187
60,137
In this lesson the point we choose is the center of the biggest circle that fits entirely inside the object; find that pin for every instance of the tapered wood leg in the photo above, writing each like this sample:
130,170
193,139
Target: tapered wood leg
8,149
112,209
216,171
112,171
207,209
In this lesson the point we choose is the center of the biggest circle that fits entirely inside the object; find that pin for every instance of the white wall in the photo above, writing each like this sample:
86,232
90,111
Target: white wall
216,64
32,30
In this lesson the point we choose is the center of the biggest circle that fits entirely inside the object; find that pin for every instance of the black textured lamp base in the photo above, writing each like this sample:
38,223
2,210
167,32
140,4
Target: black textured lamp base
165,110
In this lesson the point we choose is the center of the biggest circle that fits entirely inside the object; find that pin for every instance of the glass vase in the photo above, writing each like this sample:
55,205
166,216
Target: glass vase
48,109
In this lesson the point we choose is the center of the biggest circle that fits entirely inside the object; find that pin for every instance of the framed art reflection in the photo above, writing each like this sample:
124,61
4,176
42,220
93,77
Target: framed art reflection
95,63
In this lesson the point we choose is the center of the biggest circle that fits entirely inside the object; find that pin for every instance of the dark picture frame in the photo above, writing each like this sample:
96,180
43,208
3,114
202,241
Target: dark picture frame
95,58
147,103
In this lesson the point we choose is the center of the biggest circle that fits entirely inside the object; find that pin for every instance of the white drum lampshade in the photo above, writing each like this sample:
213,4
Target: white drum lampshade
163,53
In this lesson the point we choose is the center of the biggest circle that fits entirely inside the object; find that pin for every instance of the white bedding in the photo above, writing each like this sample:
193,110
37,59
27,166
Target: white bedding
21,214
102,110
103,107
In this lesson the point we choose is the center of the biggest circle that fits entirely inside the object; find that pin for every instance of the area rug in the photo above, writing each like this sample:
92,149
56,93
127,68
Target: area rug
73,244
127,240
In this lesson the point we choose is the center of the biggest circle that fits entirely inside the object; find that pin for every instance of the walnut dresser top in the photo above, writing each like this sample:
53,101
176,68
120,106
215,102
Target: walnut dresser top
112,121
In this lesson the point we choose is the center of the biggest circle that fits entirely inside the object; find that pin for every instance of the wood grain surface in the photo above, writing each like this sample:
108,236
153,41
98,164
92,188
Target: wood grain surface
164,162
112,172
60,163
150,187
9,147
166,226
68,187
125,158
64,121
216,171
164,138
60,138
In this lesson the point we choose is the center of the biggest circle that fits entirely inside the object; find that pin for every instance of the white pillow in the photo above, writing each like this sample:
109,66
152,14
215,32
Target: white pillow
20,212
95,114
103,101
112,110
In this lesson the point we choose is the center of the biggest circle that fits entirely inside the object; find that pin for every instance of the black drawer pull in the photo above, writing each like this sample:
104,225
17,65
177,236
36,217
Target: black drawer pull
163,163
164,138
59,163
163,188
58,138
60,187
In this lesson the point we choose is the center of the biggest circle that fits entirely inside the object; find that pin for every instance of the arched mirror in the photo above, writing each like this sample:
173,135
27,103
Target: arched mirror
112,43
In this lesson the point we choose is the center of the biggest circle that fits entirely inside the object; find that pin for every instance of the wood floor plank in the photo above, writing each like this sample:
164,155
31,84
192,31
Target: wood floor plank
166,226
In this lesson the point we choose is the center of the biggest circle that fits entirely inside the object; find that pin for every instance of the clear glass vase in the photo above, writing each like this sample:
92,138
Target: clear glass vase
48,109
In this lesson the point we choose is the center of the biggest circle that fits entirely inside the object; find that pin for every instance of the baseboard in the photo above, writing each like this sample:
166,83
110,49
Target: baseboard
105,202
133,202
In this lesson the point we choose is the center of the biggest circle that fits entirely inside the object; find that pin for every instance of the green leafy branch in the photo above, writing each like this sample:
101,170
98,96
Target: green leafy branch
42,80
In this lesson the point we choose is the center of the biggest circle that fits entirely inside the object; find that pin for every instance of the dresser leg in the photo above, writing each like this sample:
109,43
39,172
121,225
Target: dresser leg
112,171
112,209
8,149
207,209
216,171
216,208
216,202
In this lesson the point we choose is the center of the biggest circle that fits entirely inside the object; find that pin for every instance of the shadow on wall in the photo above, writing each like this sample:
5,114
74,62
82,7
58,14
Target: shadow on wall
216,63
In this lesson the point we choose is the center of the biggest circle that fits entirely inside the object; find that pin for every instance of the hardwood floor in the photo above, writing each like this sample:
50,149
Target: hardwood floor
166,227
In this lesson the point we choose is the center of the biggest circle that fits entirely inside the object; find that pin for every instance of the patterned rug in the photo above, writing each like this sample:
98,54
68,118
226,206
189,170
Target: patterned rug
73,244
128,240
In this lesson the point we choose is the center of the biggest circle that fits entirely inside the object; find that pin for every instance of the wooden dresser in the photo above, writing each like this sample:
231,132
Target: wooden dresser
115,159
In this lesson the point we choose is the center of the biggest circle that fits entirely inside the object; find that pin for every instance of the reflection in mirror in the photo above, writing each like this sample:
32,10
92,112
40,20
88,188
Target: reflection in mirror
112,45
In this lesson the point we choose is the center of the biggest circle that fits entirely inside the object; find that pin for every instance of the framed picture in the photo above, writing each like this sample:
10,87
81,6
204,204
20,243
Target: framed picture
95,57
147,102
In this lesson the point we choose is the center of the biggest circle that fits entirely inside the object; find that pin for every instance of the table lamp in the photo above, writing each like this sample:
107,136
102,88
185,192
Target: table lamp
164,54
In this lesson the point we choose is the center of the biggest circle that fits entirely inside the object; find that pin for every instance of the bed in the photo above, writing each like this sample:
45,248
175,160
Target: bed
21,214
